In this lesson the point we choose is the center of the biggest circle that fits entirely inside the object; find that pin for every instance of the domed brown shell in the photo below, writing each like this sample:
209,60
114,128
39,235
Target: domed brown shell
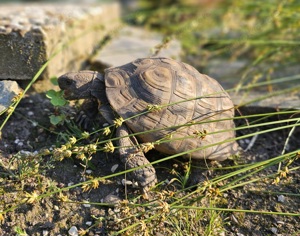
198,104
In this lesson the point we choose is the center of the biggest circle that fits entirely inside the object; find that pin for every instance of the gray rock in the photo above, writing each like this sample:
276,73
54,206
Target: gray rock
281,198
274,230
31,33
226,72
8,90
132,43
111,199
258,99
285,95
73,231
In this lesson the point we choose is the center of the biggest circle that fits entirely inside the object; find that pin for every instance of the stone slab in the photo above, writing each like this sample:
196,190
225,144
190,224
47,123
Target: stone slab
229,75
8,90
31,33
132,43
286,101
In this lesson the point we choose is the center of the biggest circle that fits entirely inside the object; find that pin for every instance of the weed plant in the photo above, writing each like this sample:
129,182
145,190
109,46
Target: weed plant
267,35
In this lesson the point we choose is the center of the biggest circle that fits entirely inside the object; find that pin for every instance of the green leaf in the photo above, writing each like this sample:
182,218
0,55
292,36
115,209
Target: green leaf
56,119
54,80
56,98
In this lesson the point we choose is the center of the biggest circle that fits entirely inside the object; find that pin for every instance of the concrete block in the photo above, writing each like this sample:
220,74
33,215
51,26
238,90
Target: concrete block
31,34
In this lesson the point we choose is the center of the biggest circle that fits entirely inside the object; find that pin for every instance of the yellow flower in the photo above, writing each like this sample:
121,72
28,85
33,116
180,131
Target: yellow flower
86,187
92,148
146,147
200,134
106,131
63,197
165,207
31,197
10,110
276,180
85,134
95,183
72,140
109,147
118,122
81,156
153,107
67,153
82,232
1,218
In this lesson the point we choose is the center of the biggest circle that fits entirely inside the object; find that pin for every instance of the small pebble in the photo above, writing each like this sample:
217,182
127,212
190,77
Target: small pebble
126,182
114,167
112,199
241,141
88,223
89,171
73,231
274,230
70,184
20,144
281,198
45,232
26,153
234,219
135,184
111,212
87,205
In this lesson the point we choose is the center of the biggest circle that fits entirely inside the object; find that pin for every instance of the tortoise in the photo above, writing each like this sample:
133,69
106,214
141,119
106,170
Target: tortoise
186,111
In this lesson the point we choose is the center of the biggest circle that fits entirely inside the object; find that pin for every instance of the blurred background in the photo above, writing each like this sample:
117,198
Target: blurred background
241,42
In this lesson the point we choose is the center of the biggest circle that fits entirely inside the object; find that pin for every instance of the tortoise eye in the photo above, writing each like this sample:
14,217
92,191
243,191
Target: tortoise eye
68,82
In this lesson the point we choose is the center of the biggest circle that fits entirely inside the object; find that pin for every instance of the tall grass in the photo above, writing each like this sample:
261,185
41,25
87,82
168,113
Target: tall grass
267,35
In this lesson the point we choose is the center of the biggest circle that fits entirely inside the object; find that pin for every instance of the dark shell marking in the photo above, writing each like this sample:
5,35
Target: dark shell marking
132,87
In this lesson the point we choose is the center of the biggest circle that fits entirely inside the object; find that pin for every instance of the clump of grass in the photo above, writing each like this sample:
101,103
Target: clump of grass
267,38
172,210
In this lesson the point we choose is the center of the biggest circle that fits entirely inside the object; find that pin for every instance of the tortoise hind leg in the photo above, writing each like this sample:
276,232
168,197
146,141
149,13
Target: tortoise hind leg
132,157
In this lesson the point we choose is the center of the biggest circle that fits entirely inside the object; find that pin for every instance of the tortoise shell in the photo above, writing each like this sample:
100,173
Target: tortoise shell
195,111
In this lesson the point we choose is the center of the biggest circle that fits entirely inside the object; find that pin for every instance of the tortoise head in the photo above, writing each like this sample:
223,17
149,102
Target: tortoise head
80,85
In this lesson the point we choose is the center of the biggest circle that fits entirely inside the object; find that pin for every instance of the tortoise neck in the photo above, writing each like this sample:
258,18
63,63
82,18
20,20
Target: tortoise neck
98,87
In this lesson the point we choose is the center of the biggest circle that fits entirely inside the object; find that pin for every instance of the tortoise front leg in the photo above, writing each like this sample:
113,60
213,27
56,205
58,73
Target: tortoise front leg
88,117
132,157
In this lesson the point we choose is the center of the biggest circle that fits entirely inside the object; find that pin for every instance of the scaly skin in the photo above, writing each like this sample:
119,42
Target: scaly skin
88,85
195,112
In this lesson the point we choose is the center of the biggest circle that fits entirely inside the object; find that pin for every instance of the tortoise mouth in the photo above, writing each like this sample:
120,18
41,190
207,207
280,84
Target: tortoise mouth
68,95
71,95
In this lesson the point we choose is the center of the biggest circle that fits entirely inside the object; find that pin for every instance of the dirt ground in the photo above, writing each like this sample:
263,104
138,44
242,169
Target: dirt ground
29,129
